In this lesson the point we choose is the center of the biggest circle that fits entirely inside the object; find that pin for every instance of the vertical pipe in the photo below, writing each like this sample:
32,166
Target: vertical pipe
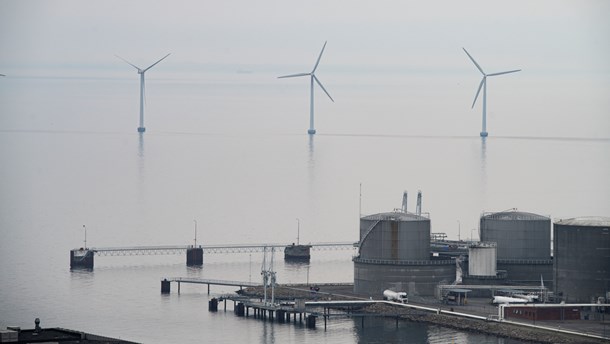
311,128
484,132
141,127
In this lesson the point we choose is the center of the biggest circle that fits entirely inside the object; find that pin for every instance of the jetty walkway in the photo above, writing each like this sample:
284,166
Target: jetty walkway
84,257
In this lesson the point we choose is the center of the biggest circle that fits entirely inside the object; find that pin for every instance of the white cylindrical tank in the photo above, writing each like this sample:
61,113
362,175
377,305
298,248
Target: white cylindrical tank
395,296
482,259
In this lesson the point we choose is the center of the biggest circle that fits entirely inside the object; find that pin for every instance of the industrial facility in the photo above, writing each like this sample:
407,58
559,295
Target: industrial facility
581,269
395,253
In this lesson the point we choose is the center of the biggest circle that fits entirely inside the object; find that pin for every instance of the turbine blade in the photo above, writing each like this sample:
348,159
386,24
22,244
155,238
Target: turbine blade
323,89
478,91
152,65
129,63
475,62
319,57
293,75
510,71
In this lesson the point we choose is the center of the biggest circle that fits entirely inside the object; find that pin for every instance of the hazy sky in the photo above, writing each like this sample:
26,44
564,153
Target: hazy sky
562,46
550,35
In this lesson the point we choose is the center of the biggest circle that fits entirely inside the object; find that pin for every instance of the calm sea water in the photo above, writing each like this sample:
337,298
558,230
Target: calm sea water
236,160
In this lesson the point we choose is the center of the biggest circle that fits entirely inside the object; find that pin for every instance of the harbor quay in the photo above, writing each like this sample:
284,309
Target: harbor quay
315,305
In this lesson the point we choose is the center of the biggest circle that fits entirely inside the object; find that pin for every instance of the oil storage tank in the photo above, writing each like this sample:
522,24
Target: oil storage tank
394,253
519,235
395,235
523,245
581,248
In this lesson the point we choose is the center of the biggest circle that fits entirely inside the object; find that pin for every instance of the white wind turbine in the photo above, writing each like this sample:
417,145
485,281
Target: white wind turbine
141,128
483,84
313,77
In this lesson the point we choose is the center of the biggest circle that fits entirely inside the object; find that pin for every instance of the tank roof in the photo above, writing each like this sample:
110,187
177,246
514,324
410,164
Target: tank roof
593,221
395,216
513,215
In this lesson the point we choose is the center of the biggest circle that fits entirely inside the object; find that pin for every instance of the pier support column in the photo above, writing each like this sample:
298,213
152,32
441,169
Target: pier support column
311,321
165,286
81,258
213,305
239,310
281,316
194,256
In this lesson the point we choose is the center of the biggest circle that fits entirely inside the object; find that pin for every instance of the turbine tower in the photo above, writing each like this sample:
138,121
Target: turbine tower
313,77
141,128
483,84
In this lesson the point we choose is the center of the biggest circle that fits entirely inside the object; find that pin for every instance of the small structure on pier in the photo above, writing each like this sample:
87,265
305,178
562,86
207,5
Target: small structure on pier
297,252
81,258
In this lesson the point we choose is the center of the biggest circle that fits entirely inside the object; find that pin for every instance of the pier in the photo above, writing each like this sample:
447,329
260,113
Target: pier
84,257
165,283
335,300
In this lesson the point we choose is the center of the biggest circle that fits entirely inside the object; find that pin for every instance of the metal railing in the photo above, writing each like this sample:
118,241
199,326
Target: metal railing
222,248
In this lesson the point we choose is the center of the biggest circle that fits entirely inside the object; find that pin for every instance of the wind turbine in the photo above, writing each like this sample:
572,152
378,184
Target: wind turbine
313,77
483,84
141,128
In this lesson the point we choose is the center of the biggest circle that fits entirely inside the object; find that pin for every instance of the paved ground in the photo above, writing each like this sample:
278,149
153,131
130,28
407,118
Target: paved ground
476,306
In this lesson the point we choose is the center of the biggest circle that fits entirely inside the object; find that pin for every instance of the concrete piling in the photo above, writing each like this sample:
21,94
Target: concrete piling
311,321
165,286
240,309
213,305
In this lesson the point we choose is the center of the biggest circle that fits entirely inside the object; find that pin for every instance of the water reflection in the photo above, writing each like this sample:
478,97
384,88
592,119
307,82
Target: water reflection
141,165
312,160
141,145
81,277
